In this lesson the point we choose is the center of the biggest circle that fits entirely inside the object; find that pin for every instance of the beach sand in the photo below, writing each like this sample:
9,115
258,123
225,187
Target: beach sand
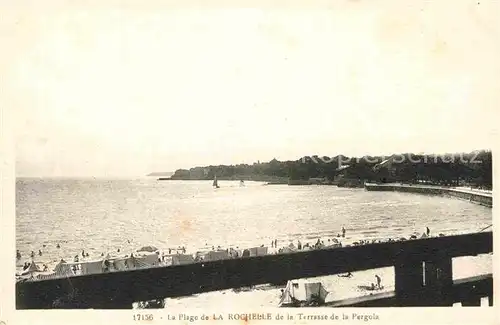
339,287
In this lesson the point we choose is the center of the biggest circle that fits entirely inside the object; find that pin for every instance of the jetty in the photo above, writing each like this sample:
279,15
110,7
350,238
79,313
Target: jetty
423,276
476,196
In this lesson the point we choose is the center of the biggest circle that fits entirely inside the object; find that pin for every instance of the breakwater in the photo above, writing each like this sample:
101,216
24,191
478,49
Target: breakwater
479,197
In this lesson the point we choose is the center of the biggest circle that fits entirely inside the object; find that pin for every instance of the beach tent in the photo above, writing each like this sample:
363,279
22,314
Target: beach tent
258,251
302,292
180,259
63,269
31,269
149,249
91,267
150,259
216,255
286,250
136,263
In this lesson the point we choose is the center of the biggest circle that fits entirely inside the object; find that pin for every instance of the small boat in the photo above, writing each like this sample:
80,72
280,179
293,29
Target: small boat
215,183
301,293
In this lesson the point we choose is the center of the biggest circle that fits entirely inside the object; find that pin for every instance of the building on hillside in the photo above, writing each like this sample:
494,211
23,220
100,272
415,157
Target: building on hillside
386,170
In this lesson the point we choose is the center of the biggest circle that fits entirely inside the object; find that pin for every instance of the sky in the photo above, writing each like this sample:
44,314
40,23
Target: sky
123,89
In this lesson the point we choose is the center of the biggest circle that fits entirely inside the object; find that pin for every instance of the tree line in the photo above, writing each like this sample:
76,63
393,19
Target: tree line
474,169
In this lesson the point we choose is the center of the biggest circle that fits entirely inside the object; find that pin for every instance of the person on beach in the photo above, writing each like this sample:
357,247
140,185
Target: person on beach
299,245
105,267
58,246
428,231
83,253
348,275
378,281
25,266
118,250
343,232
18,254
32,254
39,252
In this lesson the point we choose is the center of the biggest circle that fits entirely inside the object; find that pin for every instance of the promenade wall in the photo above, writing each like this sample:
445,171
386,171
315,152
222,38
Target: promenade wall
478,197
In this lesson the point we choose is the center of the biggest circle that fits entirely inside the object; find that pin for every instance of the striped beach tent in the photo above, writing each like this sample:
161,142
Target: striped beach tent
31,269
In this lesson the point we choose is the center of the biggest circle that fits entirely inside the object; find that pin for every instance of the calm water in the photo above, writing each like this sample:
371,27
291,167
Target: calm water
103,215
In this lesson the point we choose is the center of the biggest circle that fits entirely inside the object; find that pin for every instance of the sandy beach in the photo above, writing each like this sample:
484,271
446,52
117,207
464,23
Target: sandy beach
338,287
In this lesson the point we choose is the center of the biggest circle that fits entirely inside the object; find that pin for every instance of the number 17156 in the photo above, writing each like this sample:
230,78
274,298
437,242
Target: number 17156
143,317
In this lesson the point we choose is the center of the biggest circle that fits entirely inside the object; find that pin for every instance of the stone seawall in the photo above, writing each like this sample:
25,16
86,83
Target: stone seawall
481,198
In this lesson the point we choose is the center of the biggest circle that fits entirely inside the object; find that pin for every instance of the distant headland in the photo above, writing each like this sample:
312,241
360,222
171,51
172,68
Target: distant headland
474,168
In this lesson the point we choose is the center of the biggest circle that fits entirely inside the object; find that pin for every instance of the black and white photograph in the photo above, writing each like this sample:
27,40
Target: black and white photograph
287,157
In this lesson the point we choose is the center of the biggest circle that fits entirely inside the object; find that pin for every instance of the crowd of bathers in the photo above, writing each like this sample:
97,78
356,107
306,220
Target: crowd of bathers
235,253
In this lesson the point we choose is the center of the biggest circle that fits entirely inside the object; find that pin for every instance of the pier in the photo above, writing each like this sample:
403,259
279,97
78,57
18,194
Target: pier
423,276
479,197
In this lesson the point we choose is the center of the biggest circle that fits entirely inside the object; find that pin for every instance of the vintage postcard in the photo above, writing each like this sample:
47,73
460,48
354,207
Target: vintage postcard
240,162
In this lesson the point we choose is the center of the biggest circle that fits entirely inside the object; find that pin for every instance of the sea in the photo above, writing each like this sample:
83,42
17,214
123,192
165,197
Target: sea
107,215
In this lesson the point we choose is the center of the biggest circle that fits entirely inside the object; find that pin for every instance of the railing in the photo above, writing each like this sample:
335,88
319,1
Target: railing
423,276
